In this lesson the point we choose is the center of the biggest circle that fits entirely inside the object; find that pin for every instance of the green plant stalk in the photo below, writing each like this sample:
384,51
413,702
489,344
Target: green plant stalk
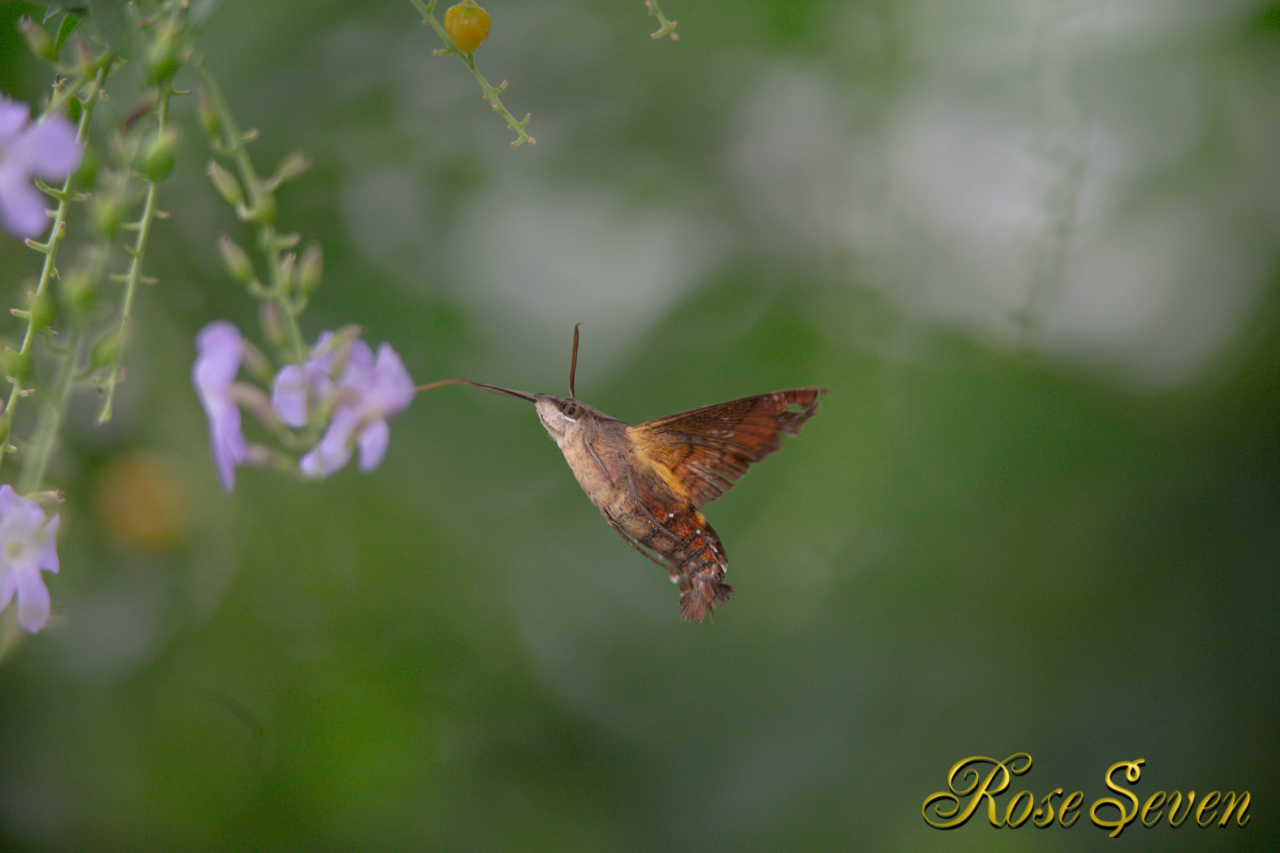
36,462
666,27
49,250
490,93
133,276
261,210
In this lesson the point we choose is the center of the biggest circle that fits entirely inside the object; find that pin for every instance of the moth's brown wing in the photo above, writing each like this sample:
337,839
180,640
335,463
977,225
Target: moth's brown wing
702,453
676,536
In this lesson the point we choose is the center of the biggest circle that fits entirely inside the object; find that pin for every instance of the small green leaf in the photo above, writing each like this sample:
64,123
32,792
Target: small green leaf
68,26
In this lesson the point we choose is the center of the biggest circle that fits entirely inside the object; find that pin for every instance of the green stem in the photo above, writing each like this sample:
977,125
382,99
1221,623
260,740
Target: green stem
133,277
260,210
490,93
50,249
665,26
36,462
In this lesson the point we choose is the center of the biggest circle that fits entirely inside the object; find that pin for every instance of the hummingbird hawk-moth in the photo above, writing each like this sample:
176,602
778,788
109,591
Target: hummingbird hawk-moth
651,480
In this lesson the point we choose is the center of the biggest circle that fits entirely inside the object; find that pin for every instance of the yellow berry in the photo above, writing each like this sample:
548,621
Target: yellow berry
467,24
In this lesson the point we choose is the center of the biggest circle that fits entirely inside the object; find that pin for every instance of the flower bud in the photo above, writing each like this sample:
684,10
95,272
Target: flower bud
263,209
287,271
225,183
47,498
209,118
37,39
238,263
44,310
467,24
271,318
260,368
166,54
310,269
157,158
78,290
15,364
292,166
107,348
107,214
85,59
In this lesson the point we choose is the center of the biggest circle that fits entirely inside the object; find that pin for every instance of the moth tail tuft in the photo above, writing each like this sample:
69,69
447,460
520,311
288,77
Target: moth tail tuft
701,597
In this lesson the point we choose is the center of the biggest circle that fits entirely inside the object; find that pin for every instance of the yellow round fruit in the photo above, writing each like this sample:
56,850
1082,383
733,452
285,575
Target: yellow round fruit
467,24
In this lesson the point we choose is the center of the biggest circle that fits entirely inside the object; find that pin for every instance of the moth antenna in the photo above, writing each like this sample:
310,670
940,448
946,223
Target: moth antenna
573,361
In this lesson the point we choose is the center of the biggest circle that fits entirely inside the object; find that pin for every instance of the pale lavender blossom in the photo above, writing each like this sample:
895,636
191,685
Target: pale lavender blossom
369,392
219,349
47,150
27,545
298,387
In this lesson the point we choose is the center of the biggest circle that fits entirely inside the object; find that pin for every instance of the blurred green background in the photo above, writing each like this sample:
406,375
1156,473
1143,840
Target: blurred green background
1032,247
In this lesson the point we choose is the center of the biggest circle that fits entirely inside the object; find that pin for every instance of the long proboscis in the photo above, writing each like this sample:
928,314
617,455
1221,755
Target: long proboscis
573,368
494,388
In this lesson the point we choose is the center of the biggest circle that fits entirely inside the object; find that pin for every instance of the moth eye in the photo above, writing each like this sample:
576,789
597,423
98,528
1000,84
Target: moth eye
571,409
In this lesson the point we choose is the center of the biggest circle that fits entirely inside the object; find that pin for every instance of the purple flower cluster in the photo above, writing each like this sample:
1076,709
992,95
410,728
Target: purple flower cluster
27,545
47,150
359,390
342,385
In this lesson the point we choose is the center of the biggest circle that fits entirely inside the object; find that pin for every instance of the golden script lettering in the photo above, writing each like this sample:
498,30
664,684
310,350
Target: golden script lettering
968,788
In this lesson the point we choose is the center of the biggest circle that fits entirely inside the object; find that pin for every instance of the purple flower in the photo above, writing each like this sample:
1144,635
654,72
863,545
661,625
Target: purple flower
27,545
219,349
369,392
48,150
298,387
